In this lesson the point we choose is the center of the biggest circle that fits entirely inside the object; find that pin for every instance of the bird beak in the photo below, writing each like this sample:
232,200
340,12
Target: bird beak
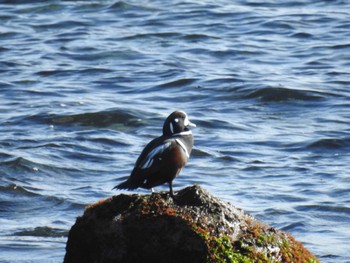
191,124
188,123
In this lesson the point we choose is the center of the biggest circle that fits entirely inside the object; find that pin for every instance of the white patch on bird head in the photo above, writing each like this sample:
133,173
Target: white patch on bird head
171,127
186,121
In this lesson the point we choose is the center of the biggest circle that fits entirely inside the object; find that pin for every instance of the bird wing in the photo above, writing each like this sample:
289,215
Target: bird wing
152,156
146,164
148,171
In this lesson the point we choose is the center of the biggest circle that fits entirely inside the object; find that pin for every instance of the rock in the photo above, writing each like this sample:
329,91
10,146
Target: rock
195,227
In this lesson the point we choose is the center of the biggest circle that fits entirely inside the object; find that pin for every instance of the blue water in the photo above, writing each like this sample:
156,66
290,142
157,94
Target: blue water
84,85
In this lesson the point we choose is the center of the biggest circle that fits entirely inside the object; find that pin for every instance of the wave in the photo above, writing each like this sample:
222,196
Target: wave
300,226
125,6
323,144
32,200
119,119
329,143
324,208
20,163
68,72
42,232
271,94
177,83
16,189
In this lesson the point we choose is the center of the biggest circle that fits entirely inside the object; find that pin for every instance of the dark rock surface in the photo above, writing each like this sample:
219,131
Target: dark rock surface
195,227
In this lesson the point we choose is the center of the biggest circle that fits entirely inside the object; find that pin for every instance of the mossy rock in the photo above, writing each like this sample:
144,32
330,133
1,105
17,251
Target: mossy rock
194,227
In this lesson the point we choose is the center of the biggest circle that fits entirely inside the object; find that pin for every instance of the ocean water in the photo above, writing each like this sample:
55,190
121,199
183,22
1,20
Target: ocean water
84,85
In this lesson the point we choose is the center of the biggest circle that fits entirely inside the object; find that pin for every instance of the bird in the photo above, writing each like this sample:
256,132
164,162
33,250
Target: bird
164,157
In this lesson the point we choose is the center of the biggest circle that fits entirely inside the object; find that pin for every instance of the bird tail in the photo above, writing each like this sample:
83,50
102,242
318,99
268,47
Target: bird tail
124,185
130,184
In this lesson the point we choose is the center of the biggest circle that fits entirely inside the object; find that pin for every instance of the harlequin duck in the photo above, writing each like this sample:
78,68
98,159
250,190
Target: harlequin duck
164,157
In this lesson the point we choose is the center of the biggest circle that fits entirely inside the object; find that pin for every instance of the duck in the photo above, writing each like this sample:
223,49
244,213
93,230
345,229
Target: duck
162,159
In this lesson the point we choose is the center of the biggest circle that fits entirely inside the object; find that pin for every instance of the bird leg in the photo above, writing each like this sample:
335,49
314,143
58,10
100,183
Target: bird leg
171,189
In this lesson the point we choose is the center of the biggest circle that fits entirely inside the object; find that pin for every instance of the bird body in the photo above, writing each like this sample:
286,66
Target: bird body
164,157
